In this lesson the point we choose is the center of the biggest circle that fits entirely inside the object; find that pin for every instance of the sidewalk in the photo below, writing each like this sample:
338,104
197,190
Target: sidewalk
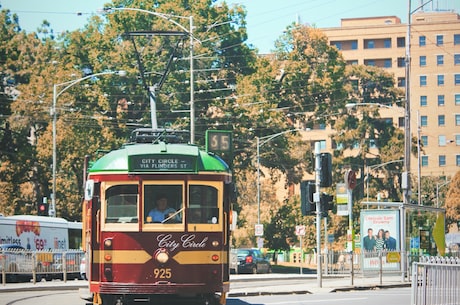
240,284
309,284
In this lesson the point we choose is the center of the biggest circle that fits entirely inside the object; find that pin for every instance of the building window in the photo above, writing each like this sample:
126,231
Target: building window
457,99
440,60
457,160
422,41
456,39
442,160
423,101
442,140
387,63
353,62
369,44
457,79
439,40
441,120
337,44
424,161
441,80
422,80
401,82
423,121
424,140
457,59
401,62
354,45
441,100
401,42
457,139
422,61
369,62
387,43
457,120
322,144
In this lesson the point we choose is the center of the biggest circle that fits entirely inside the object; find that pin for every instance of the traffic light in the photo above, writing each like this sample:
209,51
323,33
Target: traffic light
327,204
326,170
43,208
307,206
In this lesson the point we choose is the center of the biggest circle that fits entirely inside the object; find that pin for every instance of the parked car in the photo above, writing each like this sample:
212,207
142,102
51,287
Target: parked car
252,261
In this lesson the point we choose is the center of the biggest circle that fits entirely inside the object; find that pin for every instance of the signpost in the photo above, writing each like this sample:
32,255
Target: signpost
300,231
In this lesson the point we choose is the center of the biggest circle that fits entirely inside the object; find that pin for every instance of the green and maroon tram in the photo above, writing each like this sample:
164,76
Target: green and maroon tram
135,255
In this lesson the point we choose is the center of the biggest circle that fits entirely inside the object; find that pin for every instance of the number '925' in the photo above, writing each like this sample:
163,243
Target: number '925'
162,273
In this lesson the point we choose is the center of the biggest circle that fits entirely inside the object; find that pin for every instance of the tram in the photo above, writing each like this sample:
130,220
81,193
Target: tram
133,256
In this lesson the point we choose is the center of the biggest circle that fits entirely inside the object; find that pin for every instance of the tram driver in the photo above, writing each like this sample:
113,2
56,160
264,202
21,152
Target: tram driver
162,212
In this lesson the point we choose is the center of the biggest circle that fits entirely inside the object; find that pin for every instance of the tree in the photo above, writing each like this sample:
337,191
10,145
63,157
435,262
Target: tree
452,204
21,176
99,113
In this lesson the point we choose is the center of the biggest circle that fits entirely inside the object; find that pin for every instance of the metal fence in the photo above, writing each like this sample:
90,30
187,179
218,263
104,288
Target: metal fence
364,263
436,280
26,265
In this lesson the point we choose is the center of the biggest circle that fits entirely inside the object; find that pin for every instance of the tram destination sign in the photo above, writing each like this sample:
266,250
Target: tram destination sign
161,163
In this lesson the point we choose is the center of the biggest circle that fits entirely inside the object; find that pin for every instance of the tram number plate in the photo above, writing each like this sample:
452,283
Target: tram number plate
162,273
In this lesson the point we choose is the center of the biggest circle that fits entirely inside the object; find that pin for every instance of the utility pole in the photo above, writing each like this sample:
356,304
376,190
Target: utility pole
316,199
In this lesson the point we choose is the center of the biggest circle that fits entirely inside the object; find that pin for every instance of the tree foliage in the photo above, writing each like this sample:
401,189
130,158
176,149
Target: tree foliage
452,204
379,141
263,100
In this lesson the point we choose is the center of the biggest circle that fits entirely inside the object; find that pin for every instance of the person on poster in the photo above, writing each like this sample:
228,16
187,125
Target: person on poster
390,242
380,240
369,241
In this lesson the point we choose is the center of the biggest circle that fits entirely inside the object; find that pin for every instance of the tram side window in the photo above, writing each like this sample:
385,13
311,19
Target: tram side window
163,203
122,203
203,204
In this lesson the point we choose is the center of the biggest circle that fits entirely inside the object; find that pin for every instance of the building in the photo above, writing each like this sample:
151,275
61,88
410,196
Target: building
434,76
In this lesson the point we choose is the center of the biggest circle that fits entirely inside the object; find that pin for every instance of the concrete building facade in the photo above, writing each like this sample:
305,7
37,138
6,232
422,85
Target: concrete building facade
434,77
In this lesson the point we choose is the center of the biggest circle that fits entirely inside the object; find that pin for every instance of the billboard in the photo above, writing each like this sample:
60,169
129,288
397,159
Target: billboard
379,235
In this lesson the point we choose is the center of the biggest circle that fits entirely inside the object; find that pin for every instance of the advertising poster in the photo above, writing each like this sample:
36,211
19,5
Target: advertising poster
379,236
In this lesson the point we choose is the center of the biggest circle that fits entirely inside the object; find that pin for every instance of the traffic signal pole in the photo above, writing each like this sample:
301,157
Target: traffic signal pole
316,199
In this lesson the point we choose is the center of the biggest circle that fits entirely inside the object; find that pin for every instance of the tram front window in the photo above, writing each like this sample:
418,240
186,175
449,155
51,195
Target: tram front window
163,203
203,205
122,204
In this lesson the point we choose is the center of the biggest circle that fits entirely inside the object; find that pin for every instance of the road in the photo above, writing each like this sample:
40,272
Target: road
360,297
400,296
357,297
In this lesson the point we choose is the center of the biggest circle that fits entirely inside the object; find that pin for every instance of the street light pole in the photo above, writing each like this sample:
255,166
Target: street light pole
375,167
438,186
265,139
406,181
192,86
56,94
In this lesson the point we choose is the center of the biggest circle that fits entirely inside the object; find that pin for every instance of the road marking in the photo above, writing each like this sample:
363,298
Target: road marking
317,301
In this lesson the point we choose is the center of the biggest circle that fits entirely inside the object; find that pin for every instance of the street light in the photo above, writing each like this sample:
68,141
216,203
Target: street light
375,167
265,139
353,105
56,94
192,80
438,186
405,183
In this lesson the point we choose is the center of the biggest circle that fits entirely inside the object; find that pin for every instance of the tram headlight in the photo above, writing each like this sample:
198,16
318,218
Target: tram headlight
108,243
161,256
215,243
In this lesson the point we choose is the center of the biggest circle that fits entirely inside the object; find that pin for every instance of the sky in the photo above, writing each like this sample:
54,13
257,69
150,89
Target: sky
266,19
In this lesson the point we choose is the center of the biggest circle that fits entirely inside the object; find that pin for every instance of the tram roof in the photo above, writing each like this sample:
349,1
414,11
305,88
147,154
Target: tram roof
129,157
